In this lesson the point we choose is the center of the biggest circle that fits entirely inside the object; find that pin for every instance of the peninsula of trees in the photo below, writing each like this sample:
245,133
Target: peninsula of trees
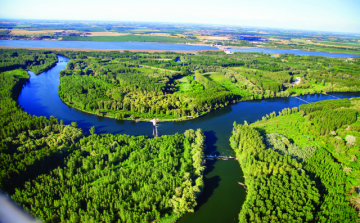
173,86
301,165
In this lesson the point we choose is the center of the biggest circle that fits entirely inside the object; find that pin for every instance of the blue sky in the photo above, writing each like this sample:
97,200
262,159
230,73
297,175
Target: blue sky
329,15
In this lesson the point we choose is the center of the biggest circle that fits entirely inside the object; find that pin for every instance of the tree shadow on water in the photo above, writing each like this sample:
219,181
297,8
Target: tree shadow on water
210,185
210,142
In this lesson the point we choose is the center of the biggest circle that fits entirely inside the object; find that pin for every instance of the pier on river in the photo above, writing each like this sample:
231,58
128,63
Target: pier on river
155,130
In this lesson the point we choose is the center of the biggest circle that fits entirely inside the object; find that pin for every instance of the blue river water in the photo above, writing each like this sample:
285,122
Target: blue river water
153,46
103,45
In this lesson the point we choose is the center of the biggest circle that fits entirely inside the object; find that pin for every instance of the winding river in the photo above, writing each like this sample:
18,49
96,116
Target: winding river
222,197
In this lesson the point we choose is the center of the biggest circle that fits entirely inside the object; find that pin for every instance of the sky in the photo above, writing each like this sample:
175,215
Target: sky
319,15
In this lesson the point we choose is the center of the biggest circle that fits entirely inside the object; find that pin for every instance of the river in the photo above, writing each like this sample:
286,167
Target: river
222,197
105,45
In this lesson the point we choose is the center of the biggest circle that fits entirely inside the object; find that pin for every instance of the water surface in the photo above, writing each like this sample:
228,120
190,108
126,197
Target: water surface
103,45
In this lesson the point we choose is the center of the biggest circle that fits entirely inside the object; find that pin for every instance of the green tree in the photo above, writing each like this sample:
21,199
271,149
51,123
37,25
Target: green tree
92,130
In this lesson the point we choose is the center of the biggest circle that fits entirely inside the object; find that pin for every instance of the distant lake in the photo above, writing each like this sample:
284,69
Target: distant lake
102,45
296,52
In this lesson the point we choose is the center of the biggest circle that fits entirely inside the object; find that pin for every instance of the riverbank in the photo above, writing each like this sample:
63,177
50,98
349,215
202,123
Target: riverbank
203,114
104,50
139,119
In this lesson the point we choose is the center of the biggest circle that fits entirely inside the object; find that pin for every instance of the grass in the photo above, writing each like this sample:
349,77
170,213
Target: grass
171,219
215,76
314,88
220,79
233,88
291,126
332,50
339,44
320,46
128,38
184,85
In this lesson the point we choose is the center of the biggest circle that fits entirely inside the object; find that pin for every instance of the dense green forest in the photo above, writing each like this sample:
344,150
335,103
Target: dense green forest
173,86
36,61
106,178
61,174
302,164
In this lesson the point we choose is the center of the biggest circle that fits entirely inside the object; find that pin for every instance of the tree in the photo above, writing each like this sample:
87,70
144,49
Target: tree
350,139
92,130
74,124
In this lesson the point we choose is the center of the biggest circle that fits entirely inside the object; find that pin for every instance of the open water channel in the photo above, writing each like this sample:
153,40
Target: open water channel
105,45
223,197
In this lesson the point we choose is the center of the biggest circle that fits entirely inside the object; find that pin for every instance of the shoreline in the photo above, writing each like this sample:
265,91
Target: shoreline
187,119
136,120
106,50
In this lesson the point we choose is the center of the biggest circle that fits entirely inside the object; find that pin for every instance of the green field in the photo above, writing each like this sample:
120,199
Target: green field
128,38
220,79
333,50
340,43
215,76
184,84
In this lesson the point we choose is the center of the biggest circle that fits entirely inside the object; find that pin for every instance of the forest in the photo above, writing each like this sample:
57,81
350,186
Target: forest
61,174
36,61
301,165
175,86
